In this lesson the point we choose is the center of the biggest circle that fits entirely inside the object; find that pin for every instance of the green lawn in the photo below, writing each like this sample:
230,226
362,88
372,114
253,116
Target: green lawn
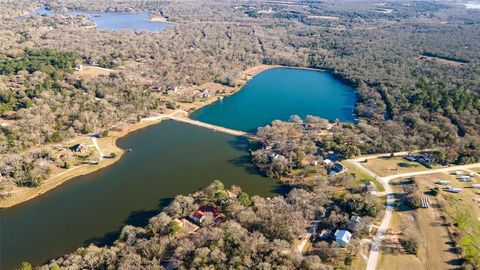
362,177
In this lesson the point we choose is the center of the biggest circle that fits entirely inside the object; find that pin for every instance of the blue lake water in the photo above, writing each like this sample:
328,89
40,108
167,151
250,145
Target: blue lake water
278,94
115,20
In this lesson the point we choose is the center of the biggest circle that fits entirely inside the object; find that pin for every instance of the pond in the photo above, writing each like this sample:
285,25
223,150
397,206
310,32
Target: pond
278,94
138,21
167,159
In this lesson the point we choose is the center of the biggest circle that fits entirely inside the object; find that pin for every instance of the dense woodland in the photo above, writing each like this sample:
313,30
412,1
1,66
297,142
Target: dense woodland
254,233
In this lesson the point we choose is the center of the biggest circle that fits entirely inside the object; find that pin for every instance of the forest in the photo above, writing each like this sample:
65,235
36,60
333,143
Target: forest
253,232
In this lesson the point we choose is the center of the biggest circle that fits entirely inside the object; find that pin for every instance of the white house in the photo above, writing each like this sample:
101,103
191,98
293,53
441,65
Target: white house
476,186
465,178
343,237
458,172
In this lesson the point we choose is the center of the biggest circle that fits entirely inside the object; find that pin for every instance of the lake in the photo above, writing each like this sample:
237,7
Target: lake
138,21
279,93
167,159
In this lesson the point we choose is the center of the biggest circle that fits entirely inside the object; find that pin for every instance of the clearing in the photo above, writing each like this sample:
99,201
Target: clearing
90,72
436,248
385,166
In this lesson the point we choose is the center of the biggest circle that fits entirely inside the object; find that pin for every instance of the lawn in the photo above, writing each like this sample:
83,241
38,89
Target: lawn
435,248
389,166
362,177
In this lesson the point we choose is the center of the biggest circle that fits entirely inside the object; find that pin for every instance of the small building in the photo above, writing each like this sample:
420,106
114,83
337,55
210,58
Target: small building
342,237
327,162
454,190
354,224
465,178
325,234
411,158
475,185
79,148
458,172
199,215
442,182
336,169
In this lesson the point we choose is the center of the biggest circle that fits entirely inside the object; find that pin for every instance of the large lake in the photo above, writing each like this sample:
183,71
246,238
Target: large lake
117,21
278,94
167,159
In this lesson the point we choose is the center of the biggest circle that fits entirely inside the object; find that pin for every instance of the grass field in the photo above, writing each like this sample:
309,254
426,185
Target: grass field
389,166
435,249
362,177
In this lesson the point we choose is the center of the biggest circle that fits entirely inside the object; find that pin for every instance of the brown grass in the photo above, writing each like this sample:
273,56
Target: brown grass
435,249
90,72
442,61
390,166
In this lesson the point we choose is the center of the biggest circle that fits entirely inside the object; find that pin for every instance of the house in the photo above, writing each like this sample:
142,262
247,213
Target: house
79,148
336,169
355,223
475,185
458,172
199,215
325,234
465,178
342,237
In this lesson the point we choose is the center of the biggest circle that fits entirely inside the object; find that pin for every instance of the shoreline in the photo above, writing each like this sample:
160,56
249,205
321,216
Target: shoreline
22,194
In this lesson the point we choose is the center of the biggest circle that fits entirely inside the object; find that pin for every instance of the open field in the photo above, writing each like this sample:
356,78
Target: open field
435,249
362,177
385,166
90,72
395,260
452,63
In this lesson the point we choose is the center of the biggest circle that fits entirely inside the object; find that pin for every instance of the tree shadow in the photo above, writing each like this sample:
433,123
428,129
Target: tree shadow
239,143
245,162
281,189
137,218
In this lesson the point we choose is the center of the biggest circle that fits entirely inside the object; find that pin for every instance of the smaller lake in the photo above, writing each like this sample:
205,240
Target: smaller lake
278,94
116,20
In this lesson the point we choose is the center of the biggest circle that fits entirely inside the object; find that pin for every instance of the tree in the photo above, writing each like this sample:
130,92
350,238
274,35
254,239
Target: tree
173,228
26,266
244,199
